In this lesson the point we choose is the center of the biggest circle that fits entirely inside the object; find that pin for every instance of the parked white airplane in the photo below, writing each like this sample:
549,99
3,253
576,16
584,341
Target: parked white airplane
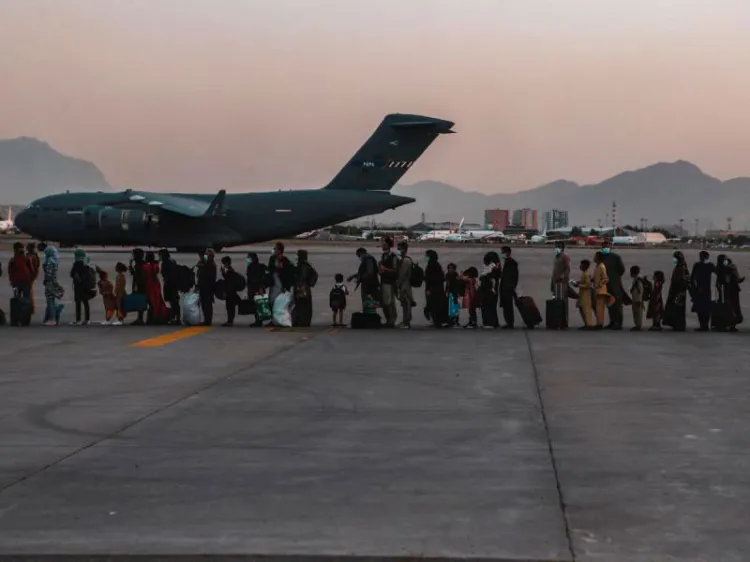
620,240
539,238
7,225
458,235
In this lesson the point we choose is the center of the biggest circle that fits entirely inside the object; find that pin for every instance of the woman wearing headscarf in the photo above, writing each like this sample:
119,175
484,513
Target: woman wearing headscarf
728,282
84,285
158,313
53,291
307,277
674,311
436,308
206,283
139,279
489,283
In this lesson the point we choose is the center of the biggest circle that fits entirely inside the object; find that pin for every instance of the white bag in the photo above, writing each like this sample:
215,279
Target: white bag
282,310
191,309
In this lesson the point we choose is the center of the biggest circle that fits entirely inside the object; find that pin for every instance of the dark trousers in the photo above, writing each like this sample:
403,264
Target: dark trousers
207,305
489,310
615,313
507,303
173,299
704,318
86,310
23,290
232,301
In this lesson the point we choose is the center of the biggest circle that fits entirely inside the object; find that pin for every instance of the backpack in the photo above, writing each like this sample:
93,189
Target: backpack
236,282
648,289
416,276
337,298
313,278
88,279
184,278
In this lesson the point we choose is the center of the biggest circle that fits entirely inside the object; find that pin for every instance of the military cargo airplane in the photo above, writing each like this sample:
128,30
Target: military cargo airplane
190,222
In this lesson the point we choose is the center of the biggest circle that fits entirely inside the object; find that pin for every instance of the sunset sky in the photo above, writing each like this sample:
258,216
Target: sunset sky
245,94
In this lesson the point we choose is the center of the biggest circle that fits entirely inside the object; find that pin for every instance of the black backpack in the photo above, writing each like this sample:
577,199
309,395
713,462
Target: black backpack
184,278
416,277
337,298
236,282
648,289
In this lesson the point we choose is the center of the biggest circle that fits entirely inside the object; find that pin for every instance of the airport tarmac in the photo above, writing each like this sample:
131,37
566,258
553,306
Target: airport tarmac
523,445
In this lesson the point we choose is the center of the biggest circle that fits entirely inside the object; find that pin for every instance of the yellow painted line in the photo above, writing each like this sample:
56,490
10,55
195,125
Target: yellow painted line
172,337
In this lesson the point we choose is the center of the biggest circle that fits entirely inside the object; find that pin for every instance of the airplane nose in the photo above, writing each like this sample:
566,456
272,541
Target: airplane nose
22,221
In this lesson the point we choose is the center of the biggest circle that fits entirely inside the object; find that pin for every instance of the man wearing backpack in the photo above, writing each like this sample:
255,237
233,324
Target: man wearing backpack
404,287
171,290
389,268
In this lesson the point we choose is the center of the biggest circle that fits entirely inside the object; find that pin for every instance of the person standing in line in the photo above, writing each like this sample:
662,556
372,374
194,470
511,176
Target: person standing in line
700,290
206,284
19,272
585,295
53,291
674,312
281,272
35,266
728,282
561,278
600,289
139,280
84,283
307,278
231,285
256,279
389,268
508,285
636,297
656,304
489,285
615,270
171,286
367,277
434,290
404,288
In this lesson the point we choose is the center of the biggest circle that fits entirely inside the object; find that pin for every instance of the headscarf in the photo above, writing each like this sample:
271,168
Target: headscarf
210,254
680,257
79,255
51,255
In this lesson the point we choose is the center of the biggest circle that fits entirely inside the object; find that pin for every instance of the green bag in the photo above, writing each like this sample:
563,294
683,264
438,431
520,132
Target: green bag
262,307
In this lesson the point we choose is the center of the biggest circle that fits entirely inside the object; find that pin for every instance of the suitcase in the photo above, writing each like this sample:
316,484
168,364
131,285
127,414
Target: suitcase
363,321
20,311
529,312
246,307
719,316
134,302
555,311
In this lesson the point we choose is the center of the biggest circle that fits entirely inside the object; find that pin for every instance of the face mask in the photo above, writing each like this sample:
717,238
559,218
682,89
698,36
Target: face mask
427,260
558,251
705,261
726,263
606,251
674,261
503,257
205,257
248,261
398,253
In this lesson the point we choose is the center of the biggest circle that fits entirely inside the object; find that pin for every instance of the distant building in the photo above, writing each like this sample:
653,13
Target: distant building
526,218
496,219
555,219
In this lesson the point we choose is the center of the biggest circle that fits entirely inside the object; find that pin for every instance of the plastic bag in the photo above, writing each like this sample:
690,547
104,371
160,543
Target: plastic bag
191,309
454,307
282,314
262,307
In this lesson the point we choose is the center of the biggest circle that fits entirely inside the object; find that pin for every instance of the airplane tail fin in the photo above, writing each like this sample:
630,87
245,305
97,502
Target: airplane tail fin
391,150
10,214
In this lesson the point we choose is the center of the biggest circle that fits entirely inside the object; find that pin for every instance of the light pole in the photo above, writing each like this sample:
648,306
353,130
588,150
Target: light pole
682,231
696,228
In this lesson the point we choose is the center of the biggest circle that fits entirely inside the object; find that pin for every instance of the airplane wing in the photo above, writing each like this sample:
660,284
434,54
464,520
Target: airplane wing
181,204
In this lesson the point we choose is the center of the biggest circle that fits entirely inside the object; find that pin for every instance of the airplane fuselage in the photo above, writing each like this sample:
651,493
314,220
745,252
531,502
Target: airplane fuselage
76,218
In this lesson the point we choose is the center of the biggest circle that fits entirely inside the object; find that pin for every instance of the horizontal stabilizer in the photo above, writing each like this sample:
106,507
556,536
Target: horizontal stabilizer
391,150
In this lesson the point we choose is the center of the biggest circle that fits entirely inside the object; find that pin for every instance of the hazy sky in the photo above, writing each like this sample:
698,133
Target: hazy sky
193,94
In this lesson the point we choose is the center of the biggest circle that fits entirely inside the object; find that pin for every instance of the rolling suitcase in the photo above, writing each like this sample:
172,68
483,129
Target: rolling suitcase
20,311
556,309
365,321
529,312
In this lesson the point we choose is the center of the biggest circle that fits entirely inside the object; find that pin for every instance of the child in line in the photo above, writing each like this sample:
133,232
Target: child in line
636,295
107,291
471,296
454,292
656,303
120,292
585,293
337,299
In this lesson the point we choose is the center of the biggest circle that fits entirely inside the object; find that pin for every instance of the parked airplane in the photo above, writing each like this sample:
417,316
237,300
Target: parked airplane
7,225
539,238
191,222
458,235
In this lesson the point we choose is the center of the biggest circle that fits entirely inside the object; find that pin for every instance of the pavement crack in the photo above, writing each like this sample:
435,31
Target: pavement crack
551,448
283,349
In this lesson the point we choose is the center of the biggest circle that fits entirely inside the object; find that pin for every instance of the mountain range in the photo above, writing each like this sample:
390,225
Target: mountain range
663,193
